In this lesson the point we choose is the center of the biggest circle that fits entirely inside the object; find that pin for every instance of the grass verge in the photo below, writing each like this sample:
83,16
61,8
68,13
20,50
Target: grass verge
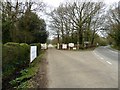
115,47
25,75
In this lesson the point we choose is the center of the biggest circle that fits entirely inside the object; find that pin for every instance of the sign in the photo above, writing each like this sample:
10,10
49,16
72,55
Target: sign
71,44
44,46
74,48
33,53
86,42
64,46
58,45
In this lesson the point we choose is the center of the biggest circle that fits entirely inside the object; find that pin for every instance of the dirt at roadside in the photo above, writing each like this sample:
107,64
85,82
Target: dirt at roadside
40,79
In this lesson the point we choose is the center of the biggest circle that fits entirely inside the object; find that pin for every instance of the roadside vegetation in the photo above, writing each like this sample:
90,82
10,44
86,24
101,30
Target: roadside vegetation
21,24
113,26
16,66
24,80
21,28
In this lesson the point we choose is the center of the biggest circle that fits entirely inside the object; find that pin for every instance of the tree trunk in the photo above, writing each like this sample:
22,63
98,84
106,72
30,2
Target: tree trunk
93,38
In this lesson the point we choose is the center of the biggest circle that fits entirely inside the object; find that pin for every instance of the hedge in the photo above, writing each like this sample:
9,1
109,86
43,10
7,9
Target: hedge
15,57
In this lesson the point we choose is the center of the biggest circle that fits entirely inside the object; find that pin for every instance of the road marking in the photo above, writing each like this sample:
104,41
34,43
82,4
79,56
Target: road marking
113,51
109,62
98,55
102,59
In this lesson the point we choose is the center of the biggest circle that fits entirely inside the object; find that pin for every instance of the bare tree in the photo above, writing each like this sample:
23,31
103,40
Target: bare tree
81,14
113,26
78,17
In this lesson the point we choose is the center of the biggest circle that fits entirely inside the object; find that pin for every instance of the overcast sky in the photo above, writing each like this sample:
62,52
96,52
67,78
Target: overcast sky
55,3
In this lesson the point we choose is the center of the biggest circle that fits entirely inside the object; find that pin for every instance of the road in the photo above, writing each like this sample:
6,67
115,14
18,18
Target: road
107,55
82,69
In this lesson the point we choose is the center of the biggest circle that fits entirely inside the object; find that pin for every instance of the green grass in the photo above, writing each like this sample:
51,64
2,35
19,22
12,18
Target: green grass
115,47
27,74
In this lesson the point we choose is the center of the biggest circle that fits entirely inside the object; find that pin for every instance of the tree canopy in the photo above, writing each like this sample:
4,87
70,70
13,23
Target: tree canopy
20,23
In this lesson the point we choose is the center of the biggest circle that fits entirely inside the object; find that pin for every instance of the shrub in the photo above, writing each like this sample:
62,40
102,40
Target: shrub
15,57
102,41
11,44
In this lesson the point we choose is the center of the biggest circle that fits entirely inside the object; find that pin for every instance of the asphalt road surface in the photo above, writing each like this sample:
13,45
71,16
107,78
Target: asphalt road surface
83,69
